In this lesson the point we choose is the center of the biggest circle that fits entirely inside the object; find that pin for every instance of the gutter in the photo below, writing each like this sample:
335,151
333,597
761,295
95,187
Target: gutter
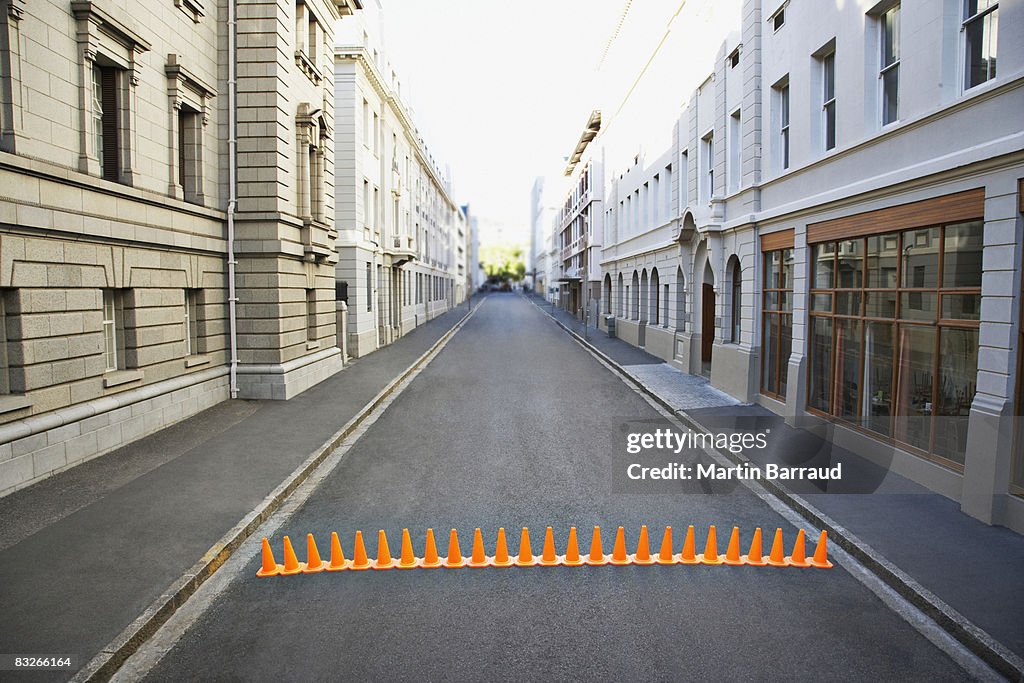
232,199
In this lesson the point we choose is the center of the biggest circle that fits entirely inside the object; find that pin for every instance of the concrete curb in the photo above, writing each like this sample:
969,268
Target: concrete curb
103,665
959,627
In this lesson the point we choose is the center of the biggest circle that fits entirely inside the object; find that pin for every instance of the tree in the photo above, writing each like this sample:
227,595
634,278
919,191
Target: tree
503,262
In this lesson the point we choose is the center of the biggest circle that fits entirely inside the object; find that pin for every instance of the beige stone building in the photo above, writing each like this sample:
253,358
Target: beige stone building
120,209
402,238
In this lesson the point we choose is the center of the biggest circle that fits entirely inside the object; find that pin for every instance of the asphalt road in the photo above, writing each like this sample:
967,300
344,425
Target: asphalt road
513,425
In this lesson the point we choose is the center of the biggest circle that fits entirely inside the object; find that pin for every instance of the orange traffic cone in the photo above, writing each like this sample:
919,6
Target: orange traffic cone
820,558
291,563
619,556
408,560
269,567
313,562
597,556
798,558
479,557
643,548
710,554
501,558
754,557
359,559
430,558
338,561
548,557
666,556
455,558
777,557
572,550
525,558
384,559
688,556
732,554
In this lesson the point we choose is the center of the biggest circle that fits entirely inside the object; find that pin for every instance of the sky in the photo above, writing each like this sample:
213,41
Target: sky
500,91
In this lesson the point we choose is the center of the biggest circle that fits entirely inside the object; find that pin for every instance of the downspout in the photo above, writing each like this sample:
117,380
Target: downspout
232,201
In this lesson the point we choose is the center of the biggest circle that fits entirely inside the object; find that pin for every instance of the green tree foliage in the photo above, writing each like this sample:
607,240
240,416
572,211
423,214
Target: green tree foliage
503,262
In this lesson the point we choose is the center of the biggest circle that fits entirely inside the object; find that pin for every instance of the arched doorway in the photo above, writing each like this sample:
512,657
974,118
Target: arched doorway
707,319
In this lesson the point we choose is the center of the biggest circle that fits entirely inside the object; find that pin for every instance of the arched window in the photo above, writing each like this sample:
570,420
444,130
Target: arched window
620,298
607,293
634,297
735,298
680,300
655,313
645,292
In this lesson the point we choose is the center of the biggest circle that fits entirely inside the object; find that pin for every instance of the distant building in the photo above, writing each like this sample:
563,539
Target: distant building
401,236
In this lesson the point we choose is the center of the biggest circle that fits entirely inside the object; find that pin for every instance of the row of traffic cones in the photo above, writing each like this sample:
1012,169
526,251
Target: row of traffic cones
548,557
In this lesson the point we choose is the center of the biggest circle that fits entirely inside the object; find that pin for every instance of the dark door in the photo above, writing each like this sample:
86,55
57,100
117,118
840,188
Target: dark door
707,321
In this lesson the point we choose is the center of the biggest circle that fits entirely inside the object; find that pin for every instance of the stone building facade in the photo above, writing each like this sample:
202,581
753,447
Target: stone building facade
843,237
114,208
402,242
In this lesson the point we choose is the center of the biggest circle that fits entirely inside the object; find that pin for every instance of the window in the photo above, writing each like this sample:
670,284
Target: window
889,71
668,191
734,59
894,321
779,18
366,123
655,303
777,321
106,117
5,376
735,300
191,322
376,134
664,306
828,100
783,100
620,295
366,209
980,29
190,170
680,300
369,286
684,180
311,315
113,330
708,186
735,133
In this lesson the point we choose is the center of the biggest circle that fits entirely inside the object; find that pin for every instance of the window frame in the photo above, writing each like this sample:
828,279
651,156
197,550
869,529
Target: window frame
980,16
892,67
829,126
784,147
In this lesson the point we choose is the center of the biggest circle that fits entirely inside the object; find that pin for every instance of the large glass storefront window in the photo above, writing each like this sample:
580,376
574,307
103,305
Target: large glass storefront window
894,335
777,321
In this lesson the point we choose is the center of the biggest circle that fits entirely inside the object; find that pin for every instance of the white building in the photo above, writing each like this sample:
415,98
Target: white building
820,209
401,236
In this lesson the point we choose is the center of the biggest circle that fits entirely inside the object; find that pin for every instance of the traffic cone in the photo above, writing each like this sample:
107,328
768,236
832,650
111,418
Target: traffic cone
688,556
666,556
596,557
643,548
732,554
710,554
572,550
269,567
479,557
455,558
313,562
798,558
408,560
291,563
820,558
754,557
338,561
777,557
501,558
619,556
359,559
430,558
525,558
548,557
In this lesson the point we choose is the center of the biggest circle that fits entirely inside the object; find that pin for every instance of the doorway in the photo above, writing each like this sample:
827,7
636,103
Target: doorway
707,326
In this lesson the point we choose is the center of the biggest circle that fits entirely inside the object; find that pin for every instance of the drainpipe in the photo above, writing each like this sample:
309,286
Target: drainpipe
232,201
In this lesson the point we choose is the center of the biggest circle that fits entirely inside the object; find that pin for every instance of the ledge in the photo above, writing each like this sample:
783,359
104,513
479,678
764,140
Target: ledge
12,402
119,377
193,361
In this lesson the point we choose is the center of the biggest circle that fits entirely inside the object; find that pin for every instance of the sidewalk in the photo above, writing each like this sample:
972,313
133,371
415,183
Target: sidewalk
84,553
912,537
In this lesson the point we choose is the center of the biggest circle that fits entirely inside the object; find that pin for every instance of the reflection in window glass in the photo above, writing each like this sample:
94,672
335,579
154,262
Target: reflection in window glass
848,368
921,258
882,259
850,264
821,364
824,265
916,373
958,369
877,400
961,261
